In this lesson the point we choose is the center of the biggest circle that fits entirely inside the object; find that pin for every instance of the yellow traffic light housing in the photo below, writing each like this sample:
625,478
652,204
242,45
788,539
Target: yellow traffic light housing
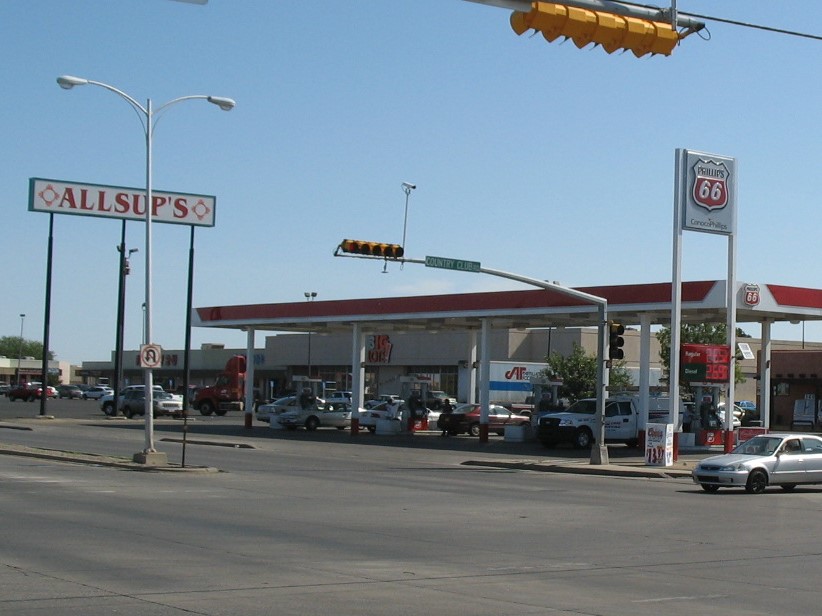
585,26
371,249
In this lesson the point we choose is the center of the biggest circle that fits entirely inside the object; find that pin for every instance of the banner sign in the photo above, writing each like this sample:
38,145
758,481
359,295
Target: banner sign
659,445
63,197
708,193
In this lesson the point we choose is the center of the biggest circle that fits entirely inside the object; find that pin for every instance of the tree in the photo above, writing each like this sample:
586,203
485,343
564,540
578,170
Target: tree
578,372
700,333
10,347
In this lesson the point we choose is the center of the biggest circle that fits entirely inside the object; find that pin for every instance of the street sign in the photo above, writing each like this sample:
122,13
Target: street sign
452,264
151,356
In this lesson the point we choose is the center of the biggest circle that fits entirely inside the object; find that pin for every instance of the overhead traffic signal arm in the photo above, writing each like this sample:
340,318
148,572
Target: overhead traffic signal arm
611,30
370,249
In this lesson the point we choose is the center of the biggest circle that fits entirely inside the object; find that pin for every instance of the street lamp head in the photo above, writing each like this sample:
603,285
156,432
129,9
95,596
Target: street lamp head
22,316
67,82
226,104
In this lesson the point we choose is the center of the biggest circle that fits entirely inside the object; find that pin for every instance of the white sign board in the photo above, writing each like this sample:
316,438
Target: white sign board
62,197
708,194
746,351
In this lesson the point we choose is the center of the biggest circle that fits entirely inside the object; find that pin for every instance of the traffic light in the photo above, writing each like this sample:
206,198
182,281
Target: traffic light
372,249
585,26
615,340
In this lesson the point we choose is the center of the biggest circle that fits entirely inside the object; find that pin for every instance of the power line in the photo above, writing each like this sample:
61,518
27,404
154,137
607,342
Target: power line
734,22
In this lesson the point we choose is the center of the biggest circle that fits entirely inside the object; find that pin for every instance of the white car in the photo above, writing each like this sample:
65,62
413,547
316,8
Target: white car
383,410
331,414
107,401
134,403
280,406
97,392
786,460
369,404
339,396
737,421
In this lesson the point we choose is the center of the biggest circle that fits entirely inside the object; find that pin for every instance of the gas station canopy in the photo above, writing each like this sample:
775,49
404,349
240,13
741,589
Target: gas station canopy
702,302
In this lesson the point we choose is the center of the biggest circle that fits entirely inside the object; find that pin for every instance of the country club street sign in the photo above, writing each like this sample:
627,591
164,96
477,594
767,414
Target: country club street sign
63,197
452,264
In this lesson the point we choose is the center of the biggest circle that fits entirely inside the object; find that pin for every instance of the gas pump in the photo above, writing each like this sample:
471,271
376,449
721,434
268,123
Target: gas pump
706,422
414,393
546,394
301,382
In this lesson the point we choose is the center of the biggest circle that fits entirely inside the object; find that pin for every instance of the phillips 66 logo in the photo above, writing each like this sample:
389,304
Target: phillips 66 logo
710,187
751,294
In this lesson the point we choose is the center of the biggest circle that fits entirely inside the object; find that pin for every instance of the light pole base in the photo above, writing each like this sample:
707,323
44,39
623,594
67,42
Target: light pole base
599,454
151,458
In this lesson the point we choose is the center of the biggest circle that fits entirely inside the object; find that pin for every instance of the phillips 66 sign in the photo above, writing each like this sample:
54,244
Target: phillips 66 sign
709,192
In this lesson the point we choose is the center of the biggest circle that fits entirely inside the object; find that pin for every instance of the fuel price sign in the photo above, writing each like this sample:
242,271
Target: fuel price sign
705,363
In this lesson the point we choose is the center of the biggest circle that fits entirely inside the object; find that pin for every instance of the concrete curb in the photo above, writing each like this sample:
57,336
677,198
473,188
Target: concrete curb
99,460
612,470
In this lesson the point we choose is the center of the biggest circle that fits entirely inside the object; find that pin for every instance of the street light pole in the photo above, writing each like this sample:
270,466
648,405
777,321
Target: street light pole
407,187
20,353
309,297
148,120
125,269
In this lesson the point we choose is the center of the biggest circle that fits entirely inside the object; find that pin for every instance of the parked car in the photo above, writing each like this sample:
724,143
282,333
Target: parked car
466,419
737,417
4,389
339,396
331,414
383,410
436,399
786,460
389,398
107,401
69,391
30,392
750,414
280,406
96,392
133,403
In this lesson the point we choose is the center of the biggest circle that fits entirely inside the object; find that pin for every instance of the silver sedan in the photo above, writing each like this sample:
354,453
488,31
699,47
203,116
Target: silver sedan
786,460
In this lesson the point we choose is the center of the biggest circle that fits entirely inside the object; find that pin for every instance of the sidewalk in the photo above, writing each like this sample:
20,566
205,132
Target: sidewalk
624,467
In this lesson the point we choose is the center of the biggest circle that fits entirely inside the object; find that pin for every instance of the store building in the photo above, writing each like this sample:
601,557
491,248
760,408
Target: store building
31,369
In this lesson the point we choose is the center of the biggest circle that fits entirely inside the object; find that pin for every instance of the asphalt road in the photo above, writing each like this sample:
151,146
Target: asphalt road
324,523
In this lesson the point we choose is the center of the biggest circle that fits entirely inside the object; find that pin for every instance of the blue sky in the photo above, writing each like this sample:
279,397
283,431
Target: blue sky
534,158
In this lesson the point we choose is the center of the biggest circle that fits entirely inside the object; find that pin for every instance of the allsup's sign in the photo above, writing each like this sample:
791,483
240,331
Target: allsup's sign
62,197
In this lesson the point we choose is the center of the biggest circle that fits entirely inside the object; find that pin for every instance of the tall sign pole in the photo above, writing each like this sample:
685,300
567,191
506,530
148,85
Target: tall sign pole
704,201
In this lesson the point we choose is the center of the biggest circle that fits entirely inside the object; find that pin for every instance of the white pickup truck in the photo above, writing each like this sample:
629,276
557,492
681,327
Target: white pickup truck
577,424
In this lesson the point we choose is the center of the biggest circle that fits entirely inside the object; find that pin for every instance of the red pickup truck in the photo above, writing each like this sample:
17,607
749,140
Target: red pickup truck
30,392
